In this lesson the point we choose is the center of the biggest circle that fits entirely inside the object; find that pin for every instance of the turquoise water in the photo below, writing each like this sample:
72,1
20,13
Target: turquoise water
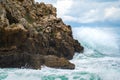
100,61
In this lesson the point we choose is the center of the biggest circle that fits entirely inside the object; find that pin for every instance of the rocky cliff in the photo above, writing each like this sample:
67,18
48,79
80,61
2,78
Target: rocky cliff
31,35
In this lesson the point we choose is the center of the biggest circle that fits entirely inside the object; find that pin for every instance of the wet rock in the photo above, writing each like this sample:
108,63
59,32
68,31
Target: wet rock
55,62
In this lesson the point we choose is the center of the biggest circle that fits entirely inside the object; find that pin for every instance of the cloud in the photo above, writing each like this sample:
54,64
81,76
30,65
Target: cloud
112,13
87,11
84,11
63,7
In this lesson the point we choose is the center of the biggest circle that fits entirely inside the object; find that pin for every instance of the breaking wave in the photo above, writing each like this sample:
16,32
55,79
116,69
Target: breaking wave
100,60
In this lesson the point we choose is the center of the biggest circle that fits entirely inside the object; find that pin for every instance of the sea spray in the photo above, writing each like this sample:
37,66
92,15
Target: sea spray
94,64
101,40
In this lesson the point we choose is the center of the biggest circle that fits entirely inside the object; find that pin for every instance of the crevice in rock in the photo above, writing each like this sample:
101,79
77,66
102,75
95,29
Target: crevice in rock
11,18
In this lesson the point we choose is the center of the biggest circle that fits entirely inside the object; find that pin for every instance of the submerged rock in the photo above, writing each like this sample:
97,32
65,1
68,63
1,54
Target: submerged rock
31,35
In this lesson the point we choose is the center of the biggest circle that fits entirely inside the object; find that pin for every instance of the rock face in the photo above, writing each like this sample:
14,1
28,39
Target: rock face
31,35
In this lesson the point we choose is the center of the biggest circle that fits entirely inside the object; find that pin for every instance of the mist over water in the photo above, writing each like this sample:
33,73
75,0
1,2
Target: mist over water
100,60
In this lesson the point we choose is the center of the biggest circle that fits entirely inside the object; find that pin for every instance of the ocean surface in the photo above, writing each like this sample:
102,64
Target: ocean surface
100,60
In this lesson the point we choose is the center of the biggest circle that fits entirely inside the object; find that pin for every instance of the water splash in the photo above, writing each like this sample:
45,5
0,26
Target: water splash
99,40
95,64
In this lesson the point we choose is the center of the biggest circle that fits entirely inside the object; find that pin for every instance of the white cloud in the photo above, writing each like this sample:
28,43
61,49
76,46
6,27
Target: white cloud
63,7
84,11
112,13
109,11
89,16
87,11
69,18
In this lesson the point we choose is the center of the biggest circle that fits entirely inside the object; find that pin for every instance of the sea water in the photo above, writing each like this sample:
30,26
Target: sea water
100,60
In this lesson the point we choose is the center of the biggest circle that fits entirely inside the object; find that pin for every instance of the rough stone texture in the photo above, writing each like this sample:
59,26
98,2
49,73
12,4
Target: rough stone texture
55,62
29,30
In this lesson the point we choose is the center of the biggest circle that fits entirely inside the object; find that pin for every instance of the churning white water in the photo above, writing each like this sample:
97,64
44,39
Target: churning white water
102,40
100,60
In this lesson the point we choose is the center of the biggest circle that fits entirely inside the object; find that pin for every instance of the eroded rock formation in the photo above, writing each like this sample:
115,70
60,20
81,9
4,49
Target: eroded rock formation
31,35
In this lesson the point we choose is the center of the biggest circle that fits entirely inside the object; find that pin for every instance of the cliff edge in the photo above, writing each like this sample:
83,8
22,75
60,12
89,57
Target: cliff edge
31,35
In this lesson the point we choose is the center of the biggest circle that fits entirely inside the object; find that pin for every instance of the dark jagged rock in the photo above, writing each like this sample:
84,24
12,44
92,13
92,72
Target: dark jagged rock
31,35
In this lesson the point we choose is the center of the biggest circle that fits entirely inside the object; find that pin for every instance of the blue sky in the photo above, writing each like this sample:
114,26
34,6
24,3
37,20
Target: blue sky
87,12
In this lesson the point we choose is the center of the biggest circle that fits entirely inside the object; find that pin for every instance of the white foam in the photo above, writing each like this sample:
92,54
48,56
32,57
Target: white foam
103,40
87,67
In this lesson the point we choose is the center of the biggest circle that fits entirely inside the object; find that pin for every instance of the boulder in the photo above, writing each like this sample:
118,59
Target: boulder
56,62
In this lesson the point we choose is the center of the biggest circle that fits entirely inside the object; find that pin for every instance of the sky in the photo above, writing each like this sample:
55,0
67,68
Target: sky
87,12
